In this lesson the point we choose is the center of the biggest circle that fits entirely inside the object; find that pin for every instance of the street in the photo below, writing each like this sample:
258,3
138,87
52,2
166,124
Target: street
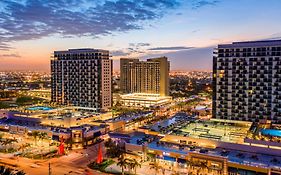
74,163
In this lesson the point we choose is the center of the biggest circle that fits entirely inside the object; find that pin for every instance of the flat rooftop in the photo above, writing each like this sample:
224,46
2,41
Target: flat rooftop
32,110
81,50
165,126
262,43
225,131
235,156
145,97
35,126
48,112
215,129
128,117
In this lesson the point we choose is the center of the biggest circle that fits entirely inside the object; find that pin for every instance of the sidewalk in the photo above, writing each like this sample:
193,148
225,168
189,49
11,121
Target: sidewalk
144,170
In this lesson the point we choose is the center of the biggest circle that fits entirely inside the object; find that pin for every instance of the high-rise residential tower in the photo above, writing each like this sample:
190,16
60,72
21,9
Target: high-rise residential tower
247,81
82,77
151,76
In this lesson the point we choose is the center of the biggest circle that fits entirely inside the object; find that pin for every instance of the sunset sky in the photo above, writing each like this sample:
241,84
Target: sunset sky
184,30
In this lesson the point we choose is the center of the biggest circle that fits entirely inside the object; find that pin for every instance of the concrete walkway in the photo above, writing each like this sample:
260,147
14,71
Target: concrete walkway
144,170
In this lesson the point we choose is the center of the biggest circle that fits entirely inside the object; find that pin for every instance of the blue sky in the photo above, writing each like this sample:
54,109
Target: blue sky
184,30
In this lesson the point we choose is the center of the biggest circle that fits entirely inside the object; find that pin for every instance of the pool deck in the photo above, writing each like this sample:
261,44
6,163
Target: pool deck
39,108
271,132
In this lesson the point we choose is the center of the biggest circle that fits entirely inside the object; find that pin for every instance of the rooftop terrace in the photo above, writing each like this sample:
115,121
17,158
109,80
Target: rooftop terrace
235,156
226,131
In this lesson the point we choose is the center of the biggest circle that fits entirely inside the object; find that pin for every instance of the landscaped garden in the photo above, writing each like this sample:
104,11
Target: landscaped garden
116,156
36,145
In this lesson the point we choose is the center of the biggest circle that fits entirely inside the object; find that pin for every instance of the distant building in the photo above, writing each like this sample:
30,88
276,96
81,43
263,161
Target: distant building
151,76
82,77
144,100
247,81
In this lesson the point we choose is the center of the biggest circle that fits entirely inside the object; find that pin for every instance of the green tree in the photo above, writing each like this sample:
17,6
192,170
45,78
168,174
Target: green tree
12,141
112,149
181,105
20,173
24,146
25,100
115,108
135,164
4,105
4,143
42,136
155,165
7,142
35,135
130,165
204,166
123,163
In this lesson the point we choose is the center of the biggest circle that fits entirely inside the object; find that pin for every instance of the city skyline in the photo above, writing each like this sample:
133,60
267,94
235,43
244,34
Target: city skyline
140,87
28,36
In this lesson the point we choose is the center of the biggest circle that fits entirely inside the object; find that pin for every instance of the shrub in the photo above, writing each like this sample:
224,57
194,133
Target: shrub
101,167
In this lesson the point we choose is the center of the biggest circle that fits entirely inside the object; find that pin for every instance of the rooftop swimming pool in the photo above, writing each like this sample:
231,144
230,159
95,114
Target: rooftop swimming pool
271,132
39,108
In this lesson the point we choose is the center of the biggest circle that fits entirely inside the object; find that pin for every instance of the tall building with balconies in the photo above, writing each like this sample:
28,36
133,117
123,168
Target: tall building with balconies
82,77
247,81
151,76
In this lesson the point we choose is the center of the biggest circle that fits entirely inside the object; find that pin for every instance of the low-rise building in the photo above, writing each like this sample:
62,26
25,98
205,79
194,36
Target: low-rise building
73,124
143,100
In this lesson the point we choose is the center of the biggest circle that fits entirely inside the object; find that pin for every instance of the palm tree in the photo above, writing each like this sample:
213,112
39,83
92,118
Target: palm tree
133,163
35,135
7,142
24,146
191,165
2,169
20,173
204,166
113,149
130,165
188,162
12,141
181,105
122,162
115,108
155,165
4,143
163,171
42,135
8,171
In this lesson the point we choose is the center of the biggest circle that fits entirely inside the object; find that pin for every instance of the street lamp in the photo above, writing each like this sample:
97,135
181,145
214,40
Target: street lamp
50,170
224,127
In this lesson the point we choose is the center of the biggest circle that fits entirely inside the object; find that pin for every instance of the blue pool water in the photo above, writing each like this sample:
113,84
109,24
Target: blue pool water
39,108
271,132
